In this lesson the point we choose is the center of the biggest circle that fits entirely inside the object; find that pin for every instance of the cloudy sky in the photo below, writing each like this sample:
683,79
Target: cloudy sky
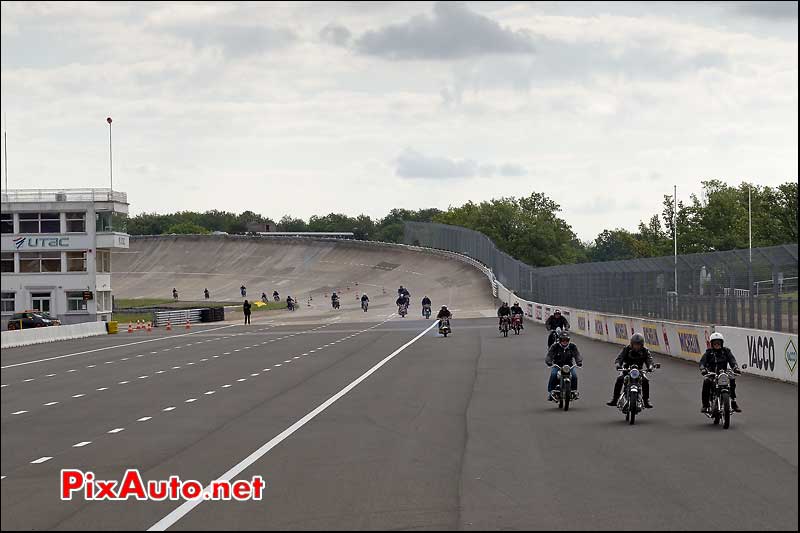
309,108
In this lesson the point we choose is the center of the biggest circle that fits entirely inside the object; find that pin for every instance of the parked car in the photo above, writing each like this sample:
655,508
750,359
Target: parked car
31,319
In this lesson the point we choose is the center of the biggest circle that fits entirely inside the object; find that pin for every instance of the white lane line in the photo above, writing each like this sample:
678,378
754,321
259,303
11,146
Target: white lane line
144,419
49,375
208,393
225,386
123,382
19,413
115,346
241,379
116,430
40,460
190,400
81,444
143,377
48,404
90,366
78,395
102,388
187,506
168,409
28,380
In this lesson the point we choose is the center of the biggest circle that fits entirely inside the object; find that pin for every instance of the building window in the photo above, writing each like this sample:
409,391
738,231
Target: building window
7,263
7,302
76,261
39,223
103,261
75,301
34,262
76,222
6,223
103,299
108,221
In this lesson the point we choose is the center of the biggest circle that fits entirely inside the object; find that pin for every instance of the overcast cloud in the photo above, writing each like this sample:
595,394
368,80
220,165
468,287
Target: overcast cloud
304,108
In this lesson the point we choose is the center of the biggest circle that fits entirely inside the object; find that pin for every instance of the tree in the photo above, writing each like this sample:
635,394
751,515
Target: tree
186,227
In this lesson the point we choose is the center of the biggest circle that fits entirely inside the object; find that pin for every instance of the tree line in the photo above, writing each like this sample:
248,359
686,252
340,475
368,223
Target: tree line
531,229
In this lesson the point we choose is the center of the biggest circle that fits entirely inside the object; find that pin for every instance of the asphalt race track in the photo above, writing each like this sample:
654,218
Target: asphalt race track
448,434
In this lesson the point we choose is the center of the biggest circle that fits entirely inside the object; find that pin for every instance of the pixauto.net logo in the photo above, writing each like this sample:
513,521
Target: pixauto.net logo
18,242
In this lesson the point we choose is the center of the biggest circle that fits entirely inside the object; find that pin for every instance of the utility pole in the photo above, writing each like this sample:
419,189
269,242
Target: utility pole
675,233
110,161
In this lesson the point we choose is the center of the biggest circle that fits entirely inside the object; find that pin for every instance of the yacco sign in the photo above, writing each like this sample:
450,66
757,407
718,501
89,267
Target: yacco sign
762,352
22,243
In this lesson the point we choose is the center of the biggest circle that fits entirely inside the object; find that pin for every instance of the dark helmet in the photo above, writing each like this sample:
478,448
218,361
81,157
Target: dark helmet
637,338
563,336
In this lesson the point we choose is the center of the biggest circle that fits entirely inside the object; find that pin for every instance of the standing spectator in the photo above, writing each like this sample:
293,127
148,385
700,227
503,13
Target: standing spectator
246,309
174,294
207,294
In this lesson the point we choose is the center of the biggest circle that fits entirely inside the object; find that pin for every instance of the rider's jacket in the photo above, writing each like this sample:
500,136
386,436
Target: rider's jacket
558,355
426,301
504,311
444,314
642,358
560,322
334,296
517,310
364,298
716,360
402,301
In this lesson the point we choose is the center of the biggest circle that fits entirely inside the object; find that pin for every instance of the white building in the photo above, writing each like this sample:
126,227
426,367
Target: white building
56,251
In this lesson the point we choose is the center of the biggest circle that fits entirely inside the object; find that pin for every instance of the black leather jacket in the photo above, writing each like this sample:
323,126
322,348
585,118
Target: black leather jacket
553,322
627,357
558,355
504,311
716,360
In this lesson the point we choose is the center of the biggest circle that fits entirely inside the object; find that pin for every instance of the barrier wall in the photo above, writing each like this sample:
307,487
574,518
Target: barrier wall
26,337
766,353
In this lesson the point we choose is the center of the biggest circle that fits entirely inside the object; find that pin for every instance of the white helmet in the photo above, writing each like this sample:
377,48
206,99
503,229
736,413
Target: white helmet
716,336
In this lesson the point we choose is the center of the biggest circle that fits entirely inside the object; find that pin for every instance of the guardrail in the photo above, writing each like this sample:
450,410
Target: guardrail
63,195
177,317
26,337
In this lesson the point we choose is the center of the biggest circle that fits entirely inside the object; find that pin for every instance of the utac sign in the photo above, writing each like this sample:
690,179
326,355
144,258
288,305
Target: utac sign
38,243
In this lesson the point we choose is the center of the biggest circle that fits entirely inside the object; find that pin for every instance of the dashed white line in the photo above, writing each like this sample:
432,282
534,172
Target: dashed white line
116,430
40,460
19,413
144,419
82,444
48,404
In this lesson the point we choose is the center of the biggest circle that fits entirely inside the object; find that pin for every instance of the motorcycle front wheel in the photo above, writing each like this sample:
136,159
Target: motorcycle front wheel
726,409
567,388
634,401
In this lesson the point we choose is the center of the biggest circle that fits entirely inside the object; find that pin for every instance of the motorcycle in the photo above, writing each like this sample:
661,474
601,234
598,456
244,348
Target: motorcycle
335,303
504,325
444,326
630,401
720,398
402,310
364,305
426,311
291,305
563,393
276,298
516,324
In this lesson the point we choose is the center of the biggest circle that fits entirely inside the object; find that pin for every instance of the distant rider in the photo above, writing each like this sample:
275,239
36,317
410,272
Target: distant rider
556,320
516,309
403,302
444,314
264,297
634,354
364,300
334,299
504,311
289,303
174,293
562,353
206,294
244,290
275,296
426,304
717,359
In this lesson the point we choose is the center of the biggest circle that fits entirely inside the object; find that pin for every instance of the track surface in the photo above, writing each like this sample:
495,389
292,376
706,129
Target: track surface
451,433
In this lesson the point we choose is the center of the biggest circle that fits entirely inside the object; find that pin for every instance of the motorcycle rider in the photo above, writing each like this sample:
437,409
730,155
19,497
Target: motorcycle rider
634,353
334,299
364,300
562,353
289,302
402,301
275,295
717,359
556,320
206,293
426,302
174,293
264,297
504,311
516,309
243,289
444,314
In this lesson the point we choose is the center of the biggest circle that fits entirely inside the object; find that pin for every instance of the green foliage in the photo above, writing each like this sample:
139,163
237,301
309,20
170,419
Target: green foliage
530,229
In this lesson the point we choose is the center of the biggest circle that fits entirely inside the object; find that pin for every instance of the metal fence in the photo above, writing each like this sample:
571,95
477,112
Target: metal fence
724,288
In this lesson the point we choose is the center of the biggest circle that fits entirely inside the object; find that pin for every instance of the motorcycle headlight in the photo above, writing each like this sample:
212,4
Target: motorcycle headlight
565,369
723,379
635,373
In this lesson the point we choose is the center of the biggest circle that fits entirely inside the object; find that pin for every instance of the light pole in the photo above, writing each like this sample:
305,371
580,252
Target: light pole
110,160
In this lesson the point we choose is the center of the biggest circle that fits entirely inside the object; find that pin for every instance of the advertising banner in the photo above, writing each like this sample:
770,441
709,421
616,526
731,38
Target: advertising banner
766,353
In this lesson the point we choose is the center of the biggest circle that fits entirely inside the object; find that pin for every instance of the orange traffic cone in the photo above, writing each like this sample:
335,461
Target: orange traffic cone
130,327
169,325
188,326
138,324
